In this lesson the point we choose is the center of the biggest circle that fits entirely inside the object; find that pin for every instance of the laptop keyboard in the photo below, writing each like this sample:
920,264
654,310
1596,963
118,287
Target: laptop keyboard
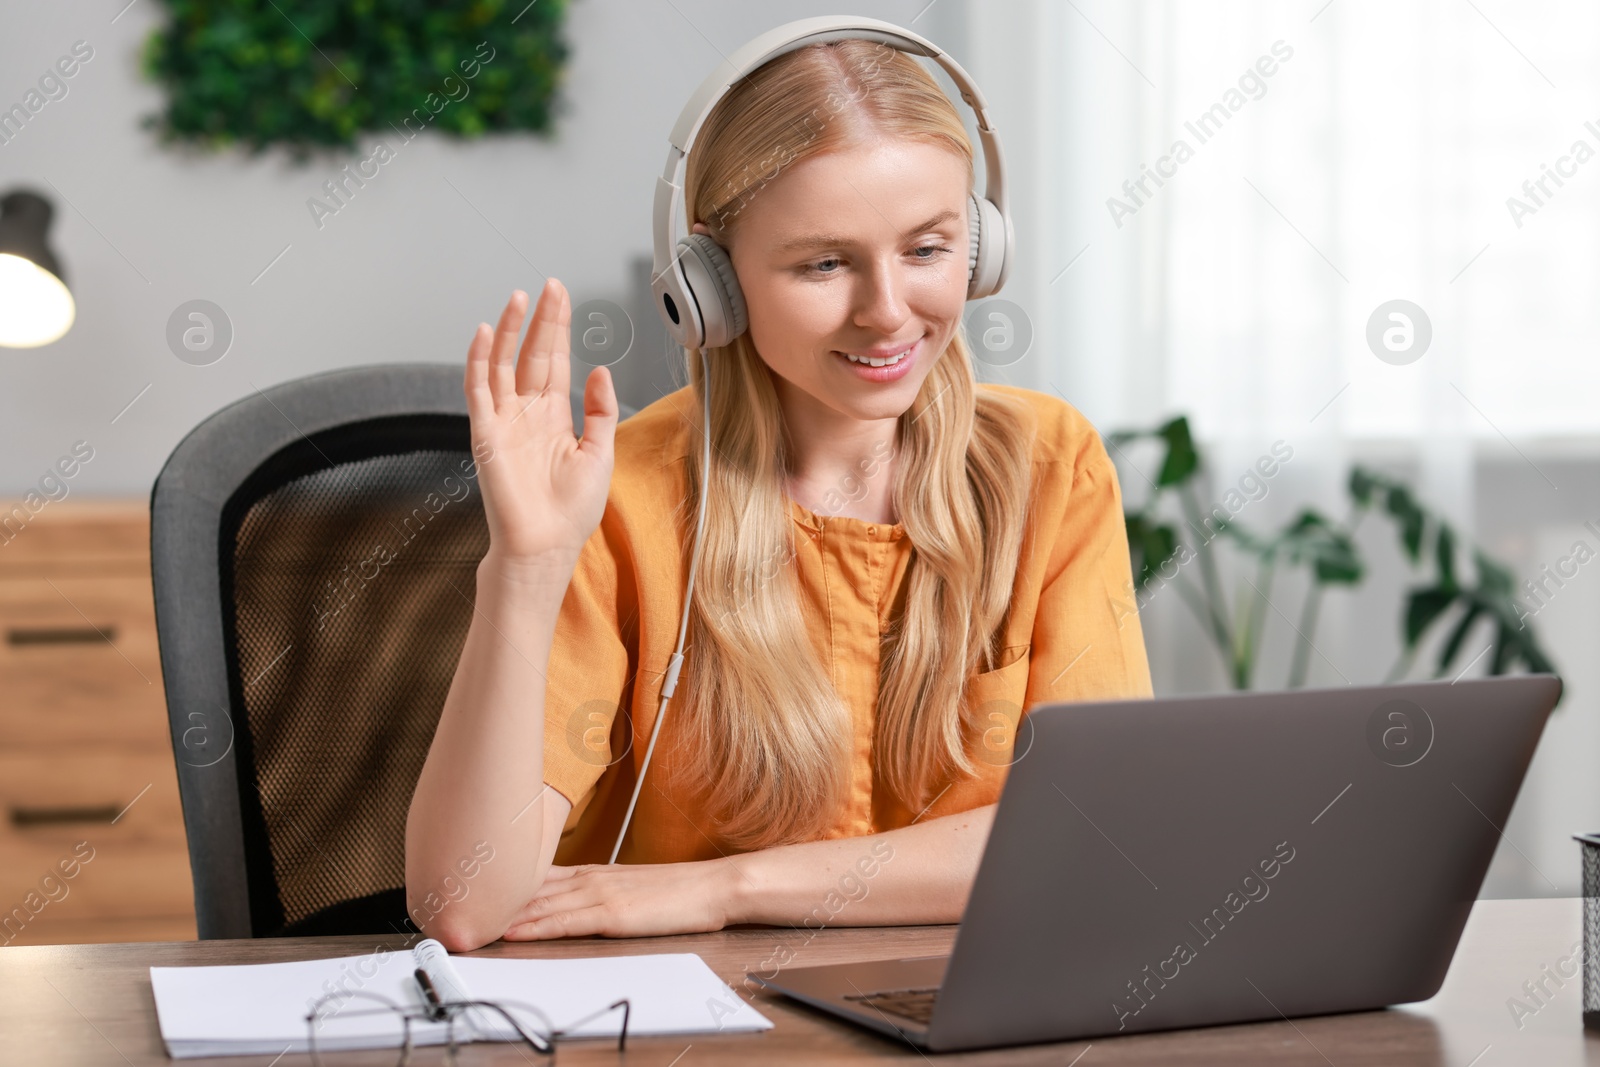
913,1004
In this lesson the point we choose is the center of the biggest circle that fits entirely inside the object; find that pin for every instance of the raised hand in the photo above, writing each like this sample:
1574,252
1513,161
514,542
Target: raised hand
544,489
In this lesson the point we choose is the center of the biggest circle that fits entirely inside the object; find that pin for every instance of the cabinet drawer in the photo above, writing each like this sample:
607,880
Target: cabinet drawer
79,662
75,536
60,794
118,807
44,613
122,879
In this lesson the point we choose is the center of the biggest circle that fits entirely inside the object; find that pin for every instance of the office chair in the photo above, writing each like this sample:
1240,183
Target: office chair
314,550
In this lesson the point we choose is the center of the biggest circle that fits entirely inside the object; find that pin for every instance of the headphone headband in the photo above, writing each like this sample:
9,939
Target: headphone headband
669,282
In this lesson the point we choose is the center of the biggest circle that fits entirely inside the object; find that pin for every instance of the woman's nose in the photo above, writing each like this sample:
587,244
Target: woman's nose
880,299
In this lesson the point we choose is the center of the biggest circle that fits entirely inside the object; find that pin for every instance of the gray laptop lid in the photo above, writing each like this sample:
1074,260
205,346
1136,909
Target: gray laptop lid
1229,857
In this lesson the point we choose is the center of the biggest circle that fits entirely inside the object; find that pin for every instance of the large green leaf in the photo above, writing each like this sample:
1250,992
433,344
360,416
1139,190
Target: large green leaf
1452,644
1183,459
1151,544
1412,520
1445,554
1505,649
1362,485
1492,577
1423,606
1313,538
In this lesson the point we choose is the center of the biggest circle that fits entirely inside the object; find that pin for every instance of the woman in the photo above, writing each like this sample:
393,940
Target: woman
896,563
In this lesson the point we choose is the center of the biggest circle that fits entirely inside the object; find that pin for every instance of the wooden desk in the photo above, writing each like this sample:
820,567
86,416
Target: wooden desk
91,1004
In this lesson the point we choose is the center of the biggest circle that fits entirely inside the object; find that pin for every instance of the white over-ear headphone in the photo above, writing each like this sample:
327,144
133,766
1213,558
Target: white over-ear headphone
695,287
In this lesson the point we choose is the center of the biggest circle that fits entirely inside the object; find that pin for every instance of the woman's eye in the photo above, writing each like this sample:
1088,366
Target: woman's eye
933,252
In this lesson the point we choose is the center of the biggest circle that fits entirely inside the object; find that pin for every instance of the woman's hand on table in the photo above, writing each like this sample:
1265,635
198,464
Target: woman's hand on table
629,900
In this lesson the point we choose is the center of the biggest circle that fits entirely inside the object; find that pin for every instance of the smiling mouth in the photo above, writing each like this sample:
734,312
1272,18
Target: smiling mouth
877,362
886,361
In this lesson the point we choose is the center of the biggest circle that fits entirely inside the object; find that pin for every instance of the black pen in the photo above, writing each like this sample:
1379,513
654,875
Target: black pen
431,995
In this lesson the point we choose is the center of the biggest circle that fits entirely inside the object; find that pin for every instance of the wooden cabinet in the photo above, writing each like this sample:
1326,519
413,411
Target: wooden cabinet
92,845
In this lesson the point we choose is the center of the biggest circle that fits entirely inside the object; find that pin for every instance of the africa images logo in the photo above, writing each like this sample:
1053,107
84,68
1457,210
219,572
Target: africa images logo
1252,888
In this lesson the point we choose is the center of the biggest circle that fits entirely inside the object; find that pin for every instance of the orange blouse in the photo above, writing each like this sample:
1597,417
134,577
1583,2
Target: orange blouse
1072,633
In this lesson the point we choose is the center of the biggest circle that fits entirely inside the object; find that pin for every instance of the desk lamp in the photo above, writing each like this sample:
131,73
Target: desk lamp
36,307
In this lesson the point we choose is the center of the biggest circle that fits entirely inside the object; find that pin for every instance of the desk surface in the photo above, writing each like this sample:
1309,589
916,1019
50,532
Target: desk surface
91,1004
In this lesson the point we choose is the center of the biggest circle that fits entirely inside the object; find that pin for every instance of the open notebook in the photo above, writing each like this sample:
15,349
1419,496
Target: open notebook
261,1008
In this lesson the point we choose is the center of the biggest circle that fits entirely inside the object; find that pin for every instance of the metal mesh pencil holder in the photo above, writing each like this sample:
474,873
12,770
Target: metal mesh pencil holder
1590,844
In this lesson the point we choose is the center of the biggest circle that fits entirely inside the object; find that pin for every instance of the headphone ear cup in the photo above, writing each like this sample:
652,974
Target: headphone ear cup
714,288
975,235
986,259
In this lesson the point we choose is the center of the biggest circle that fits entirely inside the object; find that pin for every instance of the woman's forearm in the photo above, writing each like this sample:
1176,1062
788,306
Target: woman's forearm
485,766
920,873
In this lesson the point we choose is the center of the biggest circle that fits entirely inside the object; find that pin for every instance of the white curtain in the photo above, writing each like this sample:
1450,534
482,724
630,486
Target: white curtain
1356,152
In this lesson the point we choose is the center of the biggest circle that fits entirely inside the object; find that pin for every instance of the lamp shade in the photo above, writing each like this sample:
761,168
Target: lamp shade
35,305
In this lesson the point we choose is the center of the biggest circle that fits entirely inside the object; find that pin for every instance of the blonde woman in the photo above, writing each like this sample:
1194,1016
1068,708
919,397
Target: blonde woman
897,562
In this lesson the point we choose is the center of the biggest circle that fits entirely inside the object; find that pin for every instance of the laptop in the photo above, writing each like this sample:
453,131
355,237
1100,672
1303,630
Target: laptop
1187,861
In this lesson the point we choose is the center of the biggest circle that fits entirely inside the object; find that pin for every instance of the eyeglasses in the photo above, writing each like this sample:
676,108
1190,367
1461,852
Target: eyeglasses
359,1020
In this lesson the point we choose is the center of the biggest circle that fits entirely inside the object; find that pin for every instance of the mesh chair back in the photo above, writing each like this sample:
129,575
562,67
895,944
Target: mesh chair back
314,552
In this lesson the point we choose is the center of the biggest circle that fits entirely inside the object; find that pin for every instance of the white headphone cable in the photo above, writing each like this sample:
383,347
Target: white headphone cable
671,682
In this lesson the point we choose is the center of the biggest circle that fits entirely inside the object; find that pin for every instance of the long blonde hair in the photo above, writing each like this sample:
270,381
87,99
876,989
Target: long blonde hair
766,737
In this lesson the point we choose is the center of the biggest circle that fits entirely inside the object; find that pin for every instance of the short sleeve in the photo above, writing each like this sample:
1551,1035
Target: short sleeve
1087,641
590,667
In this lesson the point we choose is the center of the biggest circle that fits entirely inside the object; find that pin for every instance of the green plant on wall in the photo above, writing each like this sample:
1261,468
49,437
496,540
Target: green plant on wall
314,73
1485,600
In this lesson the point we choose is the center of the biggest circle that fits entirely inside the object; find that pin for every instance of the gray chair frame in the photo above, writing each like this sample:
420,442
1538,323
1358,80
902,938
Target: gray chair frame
187,502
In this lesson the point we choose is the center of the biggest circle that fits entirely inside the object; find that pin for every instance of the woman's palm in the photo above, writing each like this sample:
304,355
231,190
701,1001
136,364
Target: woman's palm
544,489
